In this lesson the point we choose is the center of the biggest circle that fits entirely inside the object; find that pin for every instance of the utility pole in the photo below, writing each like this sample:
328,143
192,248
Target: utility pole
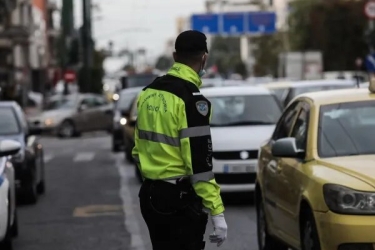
87,46
67,24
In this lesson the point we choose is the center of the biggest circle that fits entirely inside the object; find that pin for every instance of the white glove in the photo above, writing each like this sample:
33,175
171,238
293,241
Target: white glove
220,229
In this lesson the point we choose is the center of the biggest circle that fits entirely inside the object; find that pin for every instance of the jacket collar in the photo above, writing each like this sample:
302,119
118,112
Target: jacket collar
185,72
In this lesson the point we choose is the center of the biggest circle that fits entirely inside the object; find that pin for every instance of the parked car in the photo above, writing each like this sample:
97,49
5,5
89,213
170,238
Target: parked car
122,109
128,133
243,117
28,162
287,91
71,115
316,181
8,209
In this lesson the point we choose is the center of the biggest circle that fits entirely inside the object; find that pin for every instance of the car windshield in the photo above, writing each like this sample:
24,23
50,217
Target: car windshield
347,129
8,122
140,80
125,101
280,93
62,103
244,110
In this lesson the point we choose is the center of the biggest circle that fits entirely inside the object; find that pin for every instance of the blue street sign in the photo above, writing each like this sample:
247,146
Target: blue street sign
261,22
370,63
206,23
234,23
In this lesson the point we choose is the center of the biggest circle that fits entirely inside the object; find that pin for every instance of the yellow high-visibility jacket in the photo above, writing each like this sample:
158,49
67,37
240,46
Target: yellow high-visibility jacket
173,136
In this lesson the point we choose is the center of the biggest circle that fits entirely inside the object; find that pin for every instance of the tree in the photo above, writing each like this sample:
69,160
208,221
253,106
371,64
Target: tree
163,63
334,27
225,54
266,53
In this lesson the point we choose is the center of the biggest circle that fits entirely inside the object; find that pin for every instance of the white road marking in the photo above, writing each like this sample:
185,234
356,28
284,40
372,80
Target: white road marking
131,222
84,156
48,158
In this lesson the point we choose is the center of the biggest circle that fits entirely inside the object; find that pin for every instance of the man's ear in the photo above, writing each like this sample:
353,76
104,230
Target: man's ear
174,56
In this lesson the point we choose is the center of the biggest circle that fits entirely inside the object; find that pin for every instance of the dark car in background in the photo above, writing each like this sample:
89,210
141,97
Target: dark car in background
137,80
29,161
121,113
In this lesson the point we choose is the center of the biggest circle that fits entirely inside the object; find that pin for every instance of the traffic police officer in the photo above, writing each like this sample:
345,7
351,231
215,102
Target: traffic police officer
173,150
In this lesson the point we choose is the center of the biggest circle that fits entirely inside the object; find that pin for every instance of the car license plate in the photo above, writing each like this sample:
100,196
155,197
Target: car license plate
239,169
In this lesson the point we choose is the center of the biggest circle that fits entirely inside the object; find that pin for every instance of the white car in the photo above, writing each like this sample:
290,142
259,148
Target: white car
243,117
8,215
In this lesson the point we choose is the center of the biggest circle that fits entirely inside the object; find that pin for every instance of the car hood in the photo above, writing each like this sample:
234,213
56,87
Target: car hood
20,138
52,114
240,137
361,167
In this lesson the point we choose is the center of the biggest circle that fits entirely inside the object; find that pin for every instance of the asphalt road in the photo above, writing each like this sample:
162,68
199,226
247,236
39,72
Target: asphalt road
92,203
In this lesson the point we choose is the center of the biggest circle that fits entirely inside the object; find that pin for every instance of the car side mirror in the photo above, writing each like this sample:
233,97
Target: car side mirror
287,148
9,147
82,107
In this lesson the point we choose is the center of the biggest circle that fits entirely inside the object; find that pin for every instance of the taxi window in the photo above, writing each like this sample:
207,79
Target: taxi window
285,123
300,129
346,129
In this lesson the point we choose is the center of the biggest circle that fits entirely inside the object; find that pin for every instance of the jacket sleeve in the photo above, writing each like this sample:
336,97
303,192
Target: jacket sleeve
196,149
135,152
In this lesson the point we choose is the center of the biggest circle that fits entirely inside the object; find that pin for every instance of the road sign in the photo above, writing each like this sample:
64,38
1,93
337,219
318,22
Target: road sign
69,76
370,63
234,23
261,22
370,9
206,23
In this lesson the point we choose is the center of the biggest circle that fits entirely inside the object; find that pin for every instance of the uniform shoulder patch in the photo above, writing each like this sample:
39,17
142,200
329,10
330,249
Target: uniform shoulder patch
202,107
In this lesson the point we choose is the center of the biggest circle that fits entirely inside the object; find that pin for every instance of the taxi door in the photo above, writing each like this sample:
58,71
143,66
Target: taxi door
290,178
271,166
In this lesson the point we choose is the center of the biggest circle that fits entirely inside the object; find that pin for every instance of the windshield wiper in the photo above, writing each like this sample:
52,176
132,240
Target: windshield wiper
242,123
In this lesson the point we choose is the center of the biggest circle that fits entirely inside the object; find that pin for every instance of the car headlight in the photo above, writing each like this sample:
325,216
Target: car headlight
343,200
123,121
48,122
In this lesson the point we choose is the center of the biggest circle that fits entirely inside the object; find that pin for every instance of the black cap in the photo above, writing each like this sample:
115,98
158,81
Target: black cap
191,41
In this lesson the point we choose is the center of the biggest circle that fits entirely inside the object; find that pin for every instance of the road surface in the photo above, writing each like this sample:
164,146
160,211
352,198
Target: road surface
91,203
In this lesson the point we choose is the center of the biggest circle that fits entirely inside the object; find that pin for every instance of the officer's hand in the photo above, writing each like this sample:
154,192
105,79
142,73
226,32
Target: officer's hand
220,227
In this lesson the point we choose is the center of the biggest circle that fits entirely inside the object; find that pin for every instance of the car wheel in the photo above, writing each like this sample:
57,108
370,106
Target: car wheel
6,243
138,174
309,233
41,187
128,155
265,240
115,147
15,224
67,129
30,190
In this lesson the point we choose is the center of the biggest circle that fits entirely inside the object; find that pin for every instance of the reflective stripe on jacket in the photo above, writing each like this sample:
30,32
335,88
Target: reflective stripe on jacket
172,135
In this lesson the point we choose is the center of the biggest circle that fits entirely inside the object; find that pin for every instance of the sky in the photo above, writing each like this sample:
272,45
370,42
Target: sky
155,20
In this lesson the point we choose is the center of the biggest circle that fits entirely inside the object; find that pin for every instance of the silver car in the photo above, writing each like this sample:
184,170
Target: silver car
71,115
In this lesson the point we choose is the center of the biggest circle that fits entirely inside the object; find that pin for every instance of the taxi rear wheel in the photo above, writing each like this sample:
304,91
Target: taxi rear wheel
309,233
265,240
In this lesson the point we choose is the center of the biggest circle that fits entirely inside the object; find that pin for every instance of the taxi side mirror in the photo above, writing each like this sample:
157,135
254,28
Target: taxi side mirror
287,148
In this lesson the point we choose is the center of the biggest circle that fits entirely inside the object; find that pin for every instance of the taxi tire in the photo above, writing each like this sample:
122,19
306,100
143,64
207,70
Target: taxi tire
308,224
270,243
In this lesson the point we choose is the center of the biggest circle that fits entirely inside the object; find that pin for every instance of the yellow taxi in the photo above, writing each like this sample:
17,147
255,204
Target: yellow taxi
315,187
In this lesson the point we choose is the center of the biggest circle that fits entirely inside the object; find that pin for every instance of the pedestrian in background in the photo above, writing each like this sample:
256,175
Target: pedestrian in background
173,150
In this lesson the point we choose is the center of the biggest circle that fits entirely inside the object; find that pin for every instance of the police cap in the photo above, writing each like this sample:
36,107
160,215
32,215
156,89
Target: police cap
191,41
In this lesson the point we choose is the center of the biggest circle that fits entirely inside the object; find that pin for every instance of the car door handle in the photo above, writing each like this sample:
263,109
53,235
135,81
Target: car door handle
274,167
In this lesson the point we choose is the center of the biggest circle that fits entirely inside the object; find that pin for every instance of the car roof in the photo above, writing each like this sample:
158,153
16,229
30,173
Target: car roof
309,83
8,104
338,96
235,90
